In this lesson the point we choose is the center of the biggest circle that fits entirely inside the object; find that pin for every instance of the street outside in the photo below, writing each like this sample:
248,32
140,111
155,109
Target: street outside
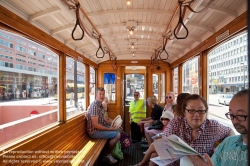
217,111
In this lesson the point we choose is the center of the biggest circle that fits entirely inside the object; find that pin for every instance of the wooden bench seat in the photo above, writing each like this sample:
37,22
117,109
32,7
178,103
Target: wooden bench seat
66,144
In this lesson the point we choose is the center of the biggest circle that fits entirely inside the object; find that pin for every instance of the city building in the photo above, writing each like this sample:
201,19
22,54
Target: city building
228,68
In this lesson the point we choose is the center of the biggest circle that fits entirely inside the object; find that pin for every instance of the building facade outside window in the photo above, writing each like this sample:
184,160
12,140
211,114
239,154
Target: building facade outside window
27,87
228,67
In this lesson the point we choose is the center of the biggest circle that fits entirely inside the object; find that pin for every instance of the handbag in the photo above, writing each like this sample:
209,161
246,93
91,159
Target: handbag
125,140
157,125
117,151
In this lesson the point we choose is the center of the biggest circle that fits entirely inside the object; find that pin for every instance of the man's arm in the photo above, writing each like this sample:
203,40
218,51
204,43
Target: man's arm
107,119
198,161
98,126
146,120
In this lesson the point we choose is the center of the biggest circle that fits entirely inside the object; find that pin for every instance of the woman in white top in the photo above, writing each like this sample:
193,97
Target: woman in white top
170,100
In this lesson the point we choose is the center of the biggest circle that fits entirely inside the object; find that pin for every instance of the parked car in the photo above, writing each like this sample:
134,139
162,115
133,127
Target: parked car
225,99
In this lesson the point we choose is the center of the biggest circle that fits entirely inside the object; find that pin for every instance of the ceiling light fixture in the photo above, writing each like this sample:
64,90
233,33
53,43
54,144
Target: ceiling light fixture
131,26
131,31
128,2
133,53
132,46
132,42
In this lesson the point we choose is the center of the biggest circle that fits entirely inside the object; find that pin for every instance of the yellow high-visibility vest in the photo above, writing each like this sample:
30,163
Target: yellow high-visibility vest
137,110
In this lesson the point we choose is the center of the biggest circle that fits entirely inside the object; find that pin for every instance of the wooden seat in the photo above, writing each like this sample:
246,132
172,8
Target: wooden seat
66,144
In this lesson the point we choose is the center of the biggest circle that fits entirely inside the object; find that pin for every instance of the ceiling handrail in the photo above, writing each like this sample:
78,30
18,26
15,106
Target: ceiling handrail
168,25
188,4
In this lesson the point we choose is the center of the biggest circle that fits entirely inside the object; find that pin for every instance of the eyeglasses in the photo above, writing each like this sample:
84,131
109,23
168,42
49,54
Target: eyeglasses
193,111
136,95
238,117
168,97
162,119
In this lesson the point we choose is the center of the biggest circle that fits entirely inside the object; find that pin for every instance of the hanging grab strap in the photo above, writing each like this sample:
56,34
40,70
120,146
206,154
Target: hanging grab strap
180,23
165,40
100,48
77,23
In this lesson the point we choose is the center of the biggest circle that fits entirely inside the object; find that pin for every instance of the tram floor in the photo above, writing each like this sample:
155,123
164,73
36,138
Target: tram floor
132,155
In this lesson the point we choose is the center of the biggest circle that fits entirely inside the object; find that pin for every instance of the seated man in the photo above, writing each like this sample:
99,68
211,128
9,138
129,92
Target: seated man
233,150
98,125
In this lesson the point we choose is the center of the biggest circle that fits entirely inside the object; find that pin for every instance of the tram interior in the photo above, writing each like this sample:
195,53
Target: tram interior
55,53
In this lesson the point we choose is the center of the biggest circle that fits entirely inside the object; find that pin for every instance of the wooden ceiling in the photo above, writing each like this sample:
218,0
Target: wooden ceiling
108,18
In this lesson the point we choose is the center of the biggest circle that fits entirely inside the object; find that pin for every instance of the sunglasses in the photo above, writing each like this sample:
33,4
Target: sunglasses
162,119
168,97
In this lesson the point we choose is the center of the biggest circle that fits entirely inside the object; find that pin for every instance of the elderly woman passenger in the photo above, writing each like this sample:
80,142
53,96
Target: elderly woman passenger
194,128
155,114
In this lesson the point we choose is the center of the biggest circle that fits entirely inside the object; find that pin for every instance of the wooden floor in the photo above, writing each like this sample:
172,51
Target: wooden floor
132,155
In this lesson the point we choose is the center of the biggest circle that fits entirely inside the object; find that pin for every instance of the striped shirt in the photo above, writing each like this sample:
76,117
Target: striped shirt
210,132
231,152
95,109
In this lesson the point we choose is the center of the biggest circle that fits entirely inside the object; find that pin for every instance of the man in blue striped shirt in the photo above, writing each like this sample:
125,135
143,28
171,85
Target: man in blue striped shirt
233,150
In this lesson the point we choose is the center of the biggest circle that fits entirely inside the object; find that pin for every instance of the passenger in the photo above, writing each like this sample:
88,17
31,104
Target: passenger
153,94
170,102
155,115
177,110
99,127
105,107
233,150
165,118
137,110
194,128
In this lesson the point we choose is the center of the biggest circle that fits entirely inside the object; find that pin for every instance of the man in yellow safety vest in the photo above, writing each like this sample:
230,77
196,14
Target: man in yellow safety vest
137,110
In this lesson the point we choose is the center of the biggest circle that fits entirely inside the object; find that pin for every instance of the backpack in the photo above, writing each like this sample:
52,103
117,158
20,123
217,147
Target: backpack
125,140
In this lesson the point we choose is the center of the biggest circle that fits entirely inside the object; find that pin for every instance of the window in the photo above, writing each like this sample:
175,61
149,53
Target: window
18,88
175,83
40,55
75,87
190,78
228,65
31,52
19,48
92,85
159,87
135,82
6,57
6,43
